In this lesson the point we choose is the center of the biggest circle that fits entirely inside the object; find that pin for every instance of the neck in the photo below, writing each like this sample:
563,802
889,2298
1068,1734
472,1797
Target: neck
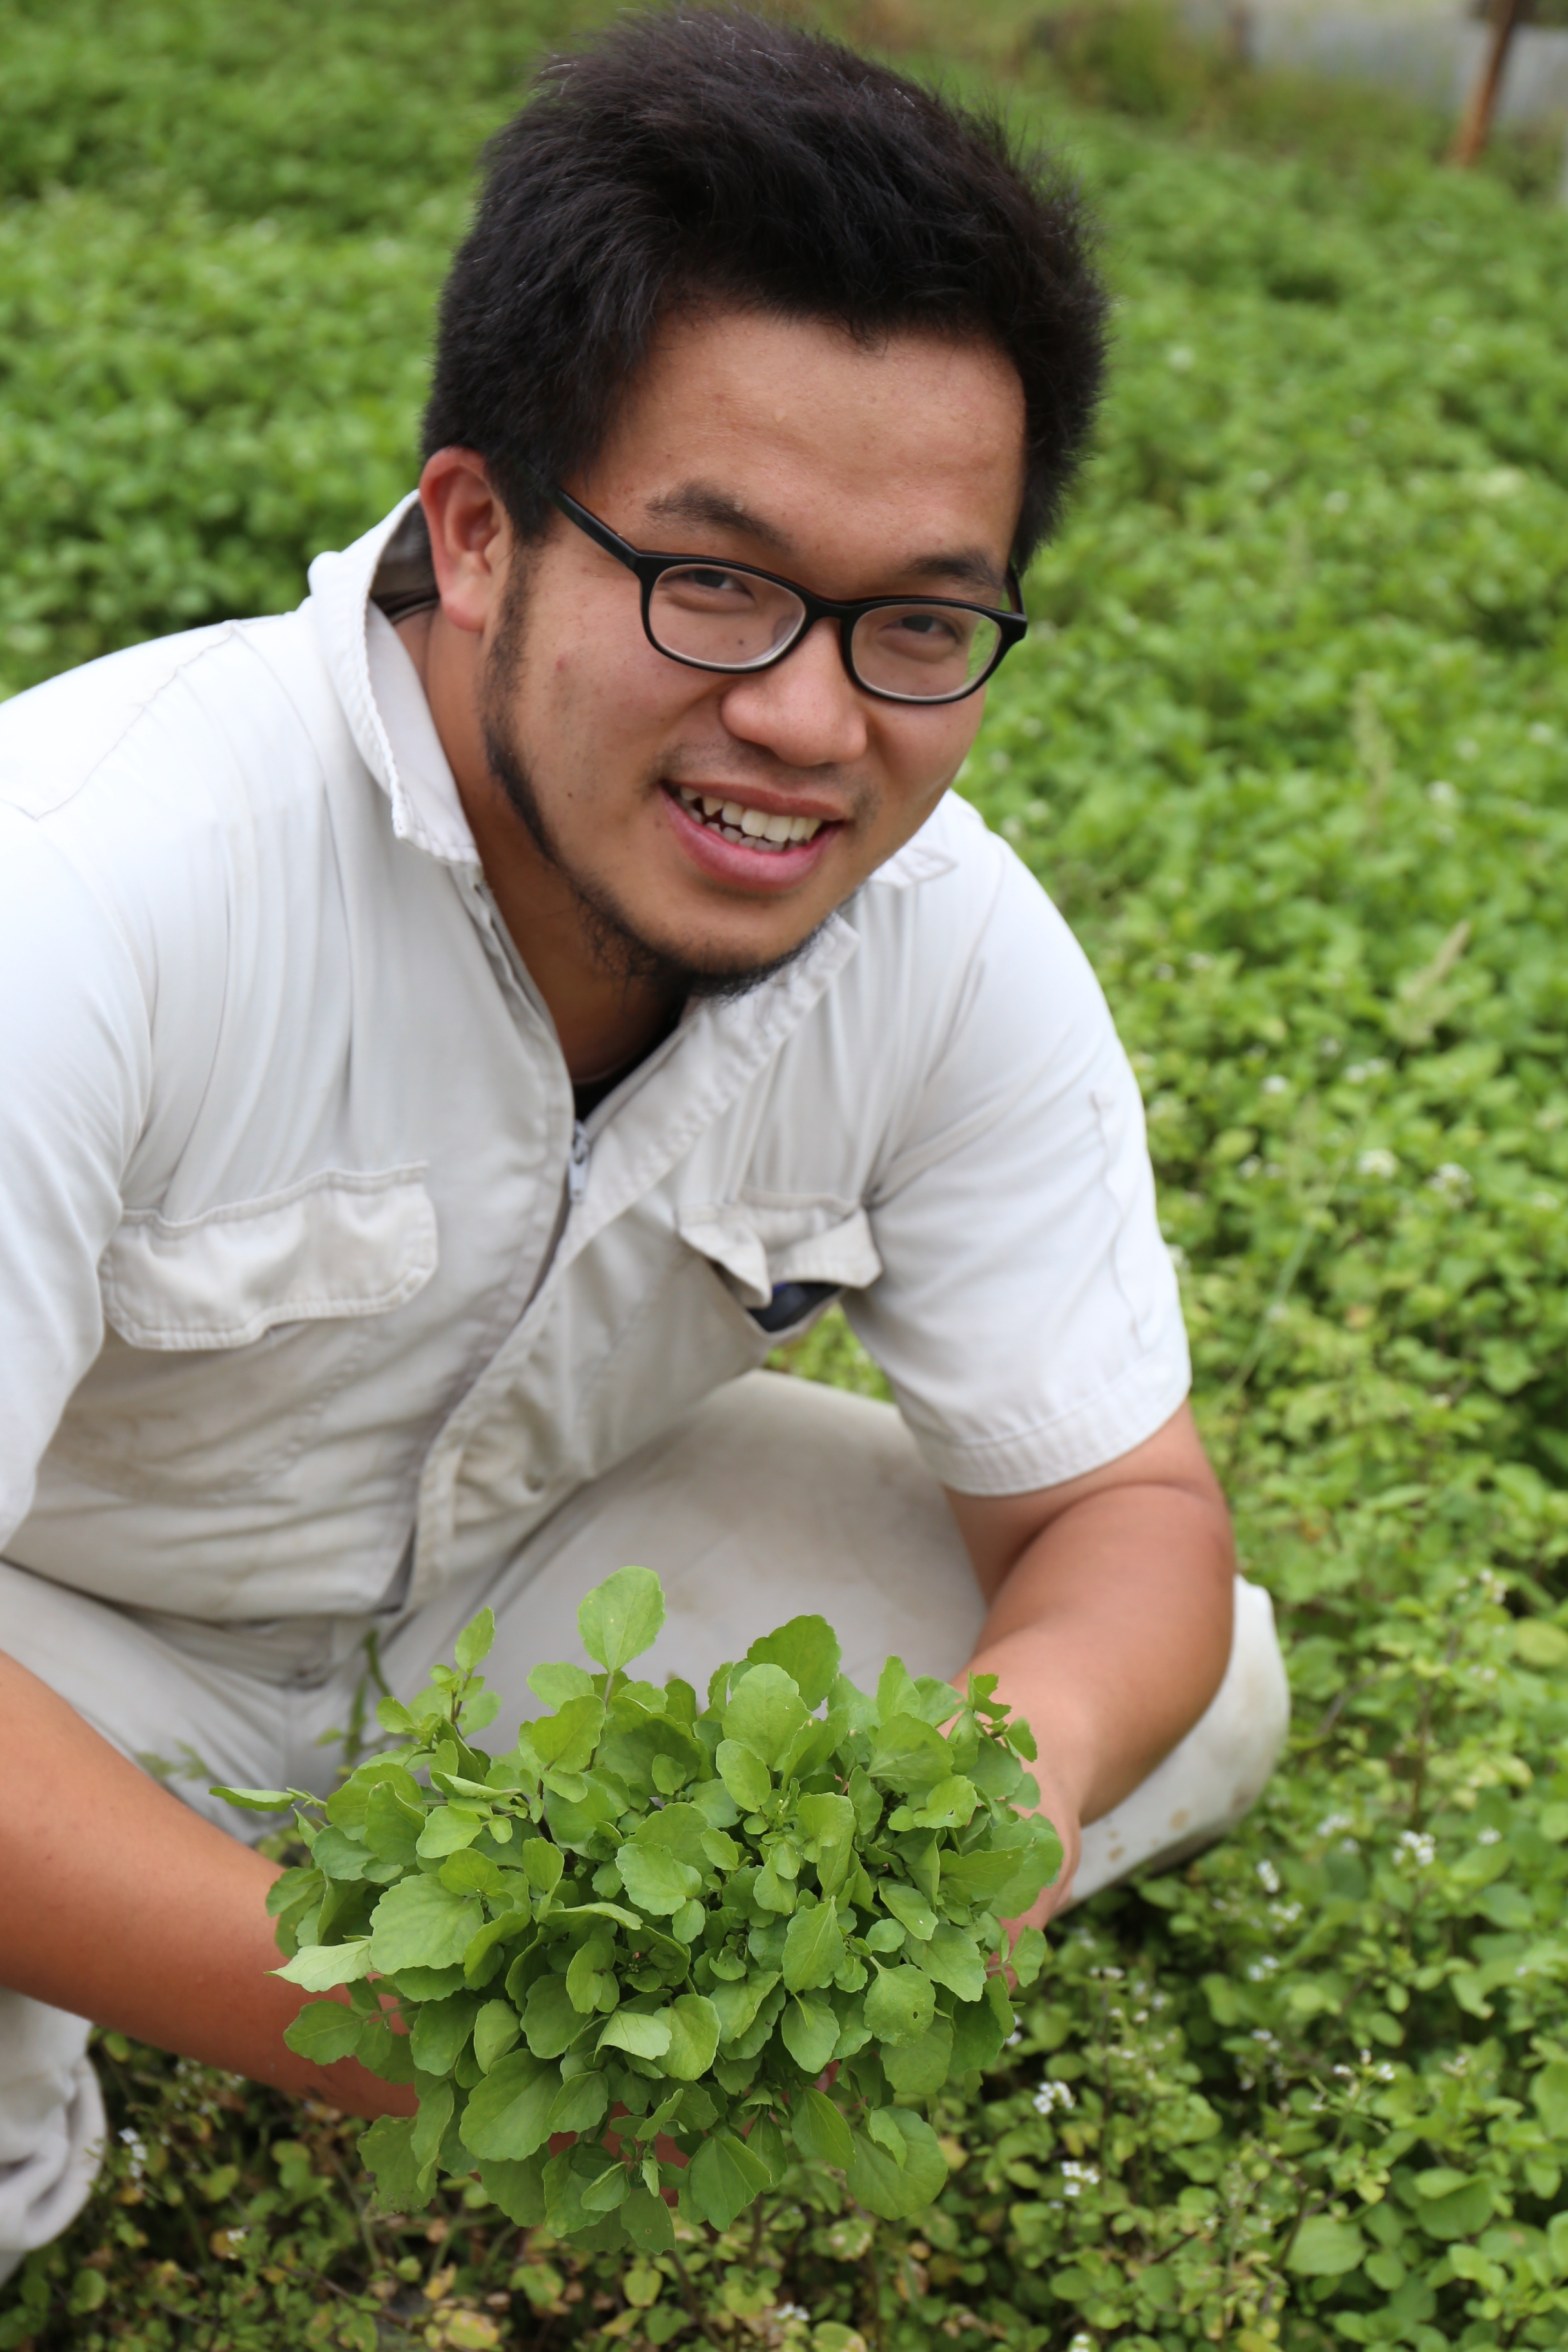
602,1020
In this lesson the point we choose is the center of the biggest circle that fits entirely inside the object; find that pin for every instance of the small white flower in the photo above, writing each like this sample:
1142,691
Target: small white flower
1052,2095
1271,1877
1487,1837
1377,1162
1415,1847
1274,1085
1442,793
1452,1180
1179,356
1014,2038
1337,502
1249,1166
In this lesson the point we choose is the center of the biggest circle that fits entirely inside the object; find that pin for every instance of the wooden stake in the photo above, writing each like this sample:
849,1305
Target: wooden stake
1502,19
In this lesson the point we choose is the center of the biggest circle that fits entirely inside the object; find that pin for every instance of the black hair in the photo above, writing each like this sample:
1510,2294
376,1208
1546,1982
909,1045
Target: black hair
700,156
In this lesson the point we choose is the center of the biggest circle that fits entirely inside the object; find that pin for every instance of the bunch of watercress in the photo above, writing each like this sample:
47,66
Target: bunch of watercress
650,1924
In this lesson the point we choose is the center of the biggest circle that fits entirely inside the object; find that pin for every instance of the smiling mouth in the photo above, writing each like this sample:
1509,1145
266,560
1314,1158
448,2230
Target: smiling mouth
748,828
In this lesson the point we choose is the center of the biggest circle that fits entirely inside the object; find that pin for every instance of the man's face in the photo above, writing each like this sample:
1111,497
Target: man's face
858,471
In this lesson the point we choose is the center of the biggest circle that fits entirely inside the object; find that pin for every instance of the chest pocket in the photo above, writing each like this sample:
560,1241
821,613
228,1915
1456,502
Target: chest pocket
230,1332
784,1260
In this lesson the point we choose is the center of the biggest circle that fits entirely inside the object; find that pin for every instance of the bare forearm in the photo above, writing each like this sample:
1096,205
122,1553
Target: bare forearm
1112,1634
123,1907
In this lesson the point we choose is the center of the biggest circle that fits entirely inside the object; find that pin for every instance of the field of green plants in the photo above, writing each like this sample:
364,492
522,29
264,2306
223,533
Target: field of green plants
1288,742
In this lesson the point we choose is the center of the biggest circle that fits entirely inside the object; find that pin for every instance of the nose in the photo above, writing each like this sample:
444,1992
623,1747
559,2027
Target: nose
807,710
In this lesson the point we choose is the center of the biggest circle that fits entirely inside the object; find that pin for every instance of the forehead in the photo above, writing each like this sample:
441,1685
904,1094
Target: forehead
909,441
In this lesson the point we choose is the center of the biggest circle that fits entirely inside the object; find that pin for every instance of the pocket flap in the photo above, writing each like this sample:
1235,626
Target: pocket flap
758,1246
337,1244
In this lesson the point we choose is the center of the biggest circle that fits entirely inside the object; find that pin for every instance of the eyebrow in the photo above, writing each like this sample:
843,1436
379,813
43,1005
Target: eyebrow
705,504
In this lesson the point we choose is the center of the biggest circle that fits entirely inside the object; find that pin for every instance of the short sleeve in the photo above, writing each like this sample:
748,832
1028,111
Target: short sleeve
75,1075
1027,1315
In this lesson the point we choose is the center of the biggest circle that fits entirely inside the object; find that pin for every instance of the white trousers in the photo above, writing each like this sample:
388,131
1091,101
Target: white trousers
777,1497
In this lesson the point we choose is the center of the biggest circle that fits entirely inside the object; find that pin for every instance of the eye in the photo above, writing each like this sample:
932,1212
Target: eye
708,584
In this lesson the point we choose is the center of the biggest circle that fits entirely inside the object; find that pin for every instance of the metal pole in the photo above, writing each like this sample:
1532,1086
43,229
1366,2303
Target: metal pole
1503,16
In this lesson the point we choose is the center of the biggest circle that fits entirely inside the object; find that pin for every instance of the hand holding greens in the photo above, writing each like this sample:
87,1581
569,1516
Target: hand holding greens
650,1922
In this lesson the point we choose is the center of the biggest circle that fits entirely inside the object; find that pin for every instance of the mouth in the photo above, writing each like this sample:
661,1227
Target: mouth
773,831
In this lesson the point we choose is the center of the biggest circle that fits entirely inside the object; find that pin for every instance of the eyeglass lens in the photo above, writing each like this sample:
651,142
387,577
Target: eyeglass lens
738,620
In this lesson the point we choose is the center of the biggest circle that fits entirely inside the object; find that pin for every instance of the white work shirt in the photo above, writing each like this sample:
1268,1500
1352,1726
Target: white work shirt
303,1287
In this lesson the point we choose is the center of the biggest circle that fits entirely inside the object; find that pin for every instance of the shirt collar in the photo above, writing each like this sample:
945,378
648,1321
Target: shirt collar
379,686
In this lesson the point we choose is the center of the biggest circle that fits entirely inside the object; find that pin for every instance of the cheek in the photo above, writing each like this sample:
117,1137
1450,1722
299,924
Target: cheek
596,685
925,750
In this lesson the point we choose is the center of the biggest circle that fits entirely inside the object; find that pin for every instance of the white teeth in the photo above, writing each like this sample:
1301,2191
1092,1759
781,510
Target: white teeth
750,828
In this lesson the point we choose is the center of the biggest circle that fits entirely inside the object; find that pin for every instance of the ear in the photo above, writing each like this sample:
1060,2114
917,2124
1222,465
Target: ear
470,537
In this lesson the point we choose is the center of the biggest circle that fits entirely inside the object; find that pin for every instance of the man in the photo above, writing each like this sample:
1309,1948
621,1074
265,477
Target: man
451,1034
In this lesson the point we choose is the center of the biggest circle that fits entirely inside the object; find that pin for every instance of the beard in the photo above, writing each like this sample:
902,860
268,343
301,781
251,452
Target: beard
622,951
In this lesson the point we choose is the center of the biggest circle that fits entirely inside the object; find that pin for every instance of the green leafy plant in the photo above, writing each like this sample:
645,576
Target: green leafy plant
759,1932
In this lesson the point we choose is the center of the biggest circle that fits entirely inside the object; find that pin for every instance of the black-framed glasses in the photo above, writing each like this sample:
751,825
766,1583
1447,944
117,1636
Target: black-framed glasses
713,614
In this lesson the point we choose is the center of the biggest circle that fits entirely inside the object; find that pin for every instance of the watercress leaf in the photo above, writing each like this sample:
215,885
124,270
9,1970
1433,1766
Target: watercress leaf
400,1720
1028,1956
827,1822
693,2037
603,2195
448,1829
679,1829
886,1936
909,1908
476,1640
935,1701
892,2190
900,2004
773,1892
654,1878
812,1948
340,1854
715,1804
908,1755
737,2004
643,2036
556,1684
764,1712
950,1805
440,2032
320,1968
820,2130
648,2221
566,1739
917,2070
419,1923
542,1865
475,1874
809,2030
264,1801
726,2178
324,2031
436,2100
766,2142
720,1852
978,2035
745,1775
508,2113
622,1617
580,2104
896,1692
517,2189
387,2151
807,1650
496,2029
950,1957
392,1826
550,2024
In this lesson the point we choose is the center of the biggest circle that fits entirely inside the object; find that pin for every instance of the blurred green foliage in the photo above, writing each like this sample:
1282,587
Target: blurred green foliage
1290,743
